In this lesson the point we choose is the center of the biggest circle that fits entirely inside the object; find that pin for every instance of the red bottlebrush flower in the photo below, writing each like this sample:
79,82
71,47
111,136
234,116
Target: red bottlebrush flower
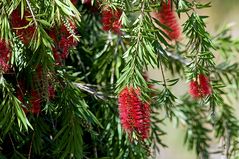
194,89
4,56
39,72
3,65
145,125
116,26
124,110
110,20
51,92
57,56
22,26
4,50
32,101
53,34
167,17
205,85
35,102
63,41
64,47
67,41
134,114
200,88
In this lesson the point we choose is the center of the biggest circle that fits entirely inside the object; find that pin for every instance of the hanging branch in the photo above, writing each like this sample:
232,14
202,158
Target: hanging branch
92,91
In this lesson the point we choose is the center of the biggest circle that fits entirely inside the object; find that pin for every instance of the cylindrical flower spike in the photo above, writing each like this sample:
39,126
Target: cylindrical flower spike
134,114
205,85
111,20
63,40
194,90
166,16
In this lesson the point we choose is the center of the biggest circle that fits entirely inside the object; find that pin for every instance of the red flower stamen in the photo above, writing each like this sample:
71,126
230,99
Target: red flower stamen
51,92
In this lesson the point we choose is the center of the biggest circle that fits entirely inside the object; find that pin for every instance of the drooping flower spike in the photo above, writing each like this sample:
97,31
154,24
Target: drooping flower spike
134,113
166,16
200,87
63,40
111,20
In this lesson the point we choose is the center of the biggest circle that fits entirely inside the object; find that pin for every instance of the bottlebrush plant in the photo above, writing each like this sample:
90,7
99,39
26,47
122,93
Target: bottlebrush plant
74,84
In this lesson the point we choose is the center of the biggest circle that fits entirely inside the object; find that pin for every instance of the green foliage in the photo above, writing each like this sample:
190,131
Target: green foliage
11,109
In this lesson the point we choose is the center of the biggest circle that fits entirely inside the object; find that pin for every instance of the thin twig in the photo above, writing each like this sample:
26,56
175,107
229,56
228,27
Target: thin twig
30,148
227,141
216,152
92,91
95,151
178,58
161,67
33,16
115,57
12,142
